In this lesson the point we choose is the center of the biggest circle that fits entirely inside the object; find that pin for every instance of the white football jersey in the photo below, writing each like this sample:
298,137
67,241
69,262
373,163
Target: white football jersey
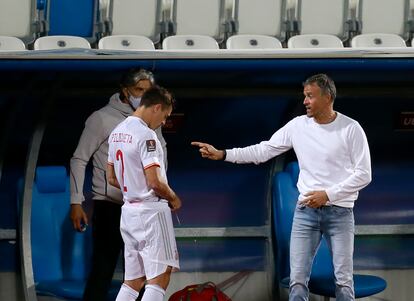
133,147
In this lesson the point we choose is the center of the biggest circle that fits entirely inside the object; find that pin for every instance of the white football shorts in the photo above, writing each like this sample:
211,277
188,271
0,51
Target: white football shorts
148,234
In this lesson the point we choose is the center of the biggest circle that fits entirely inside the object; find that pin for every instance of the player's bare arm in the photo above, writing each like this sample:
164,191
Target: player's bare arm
111,177
208,151
160,187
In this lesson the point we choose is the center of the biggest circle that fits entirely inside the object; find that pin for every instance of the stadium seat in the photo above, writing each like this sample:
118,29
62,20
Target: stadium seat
61,256
126,42
262,17
315,41
73,18
134,17
284,197
383,16
60,42
246,41
17,19
199,17
323,17
377,40
11,44
189,42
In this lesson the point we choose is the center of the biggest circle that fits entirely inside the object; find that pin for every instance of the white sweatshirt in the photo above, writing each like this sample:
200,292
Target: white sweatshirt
333,157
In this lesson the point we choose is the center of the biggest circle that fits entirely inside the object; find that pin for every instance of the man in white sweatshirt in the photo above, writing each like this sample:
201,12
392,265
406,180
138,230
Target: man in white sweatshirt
335,163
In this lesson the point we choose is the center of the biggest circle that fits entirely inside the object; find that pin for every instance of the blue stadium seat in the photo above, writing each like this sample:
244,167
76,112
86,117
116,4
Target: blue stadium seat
61,256
73,18
284,197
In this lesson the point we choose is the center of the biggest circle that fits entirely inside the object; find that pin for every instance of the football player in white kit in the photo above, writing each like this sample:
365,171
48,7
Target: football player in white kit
135,165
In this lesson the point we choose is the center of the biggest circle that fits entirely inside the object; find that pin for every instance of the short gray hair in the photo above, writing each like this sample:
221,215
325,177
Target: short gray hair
324,82
133,76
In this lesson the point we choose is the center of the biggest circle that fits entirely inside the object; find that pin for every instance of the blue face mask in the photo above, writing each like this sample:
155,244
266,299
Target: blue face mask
134,101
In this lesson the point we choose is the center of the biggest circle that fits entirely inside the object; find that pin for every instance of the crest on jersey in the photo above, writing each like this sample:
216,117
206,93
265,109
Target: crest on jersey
151,146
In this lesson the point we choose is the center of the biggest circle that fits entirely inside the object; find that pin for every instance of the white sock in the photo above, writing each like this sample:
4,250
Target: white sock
153,293
127,293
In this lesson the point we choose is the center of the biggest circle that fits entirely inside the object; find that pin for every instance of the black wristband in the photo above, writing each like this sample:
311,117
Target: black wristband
224,154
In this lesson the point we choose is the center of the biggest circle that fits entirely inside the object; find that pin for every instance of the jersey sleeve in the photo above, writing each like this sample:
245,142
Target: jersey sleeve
149,148
110,151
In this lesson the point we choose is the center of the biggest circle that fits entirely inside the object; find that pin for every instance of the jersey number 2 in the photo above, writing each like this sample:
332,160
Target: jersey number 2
120,156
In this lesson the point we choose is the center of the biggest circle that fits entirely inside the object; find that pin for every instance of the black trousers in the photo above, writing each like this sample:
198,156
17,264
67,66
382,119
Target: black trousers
107,245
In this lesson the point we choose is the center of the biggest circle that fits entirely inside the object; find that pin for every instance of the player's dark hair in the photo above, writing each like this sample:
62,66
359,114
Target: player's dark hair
157,95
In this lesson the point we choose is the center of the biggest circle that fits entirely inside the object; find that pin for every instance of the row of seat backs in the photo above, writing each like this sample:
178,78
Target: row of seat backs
215,18
193,42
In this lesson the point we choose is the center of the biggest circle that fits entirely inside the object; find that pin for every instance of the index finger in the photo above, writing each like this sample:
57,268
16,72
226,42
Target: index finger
199,144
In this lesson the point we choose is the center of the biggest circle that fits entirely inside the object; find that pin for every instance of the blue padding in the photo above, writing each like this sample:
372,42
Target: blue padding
391,192
51,179
349,70
71,17
61,256
41,4
293,170
364,285
285,195
9,259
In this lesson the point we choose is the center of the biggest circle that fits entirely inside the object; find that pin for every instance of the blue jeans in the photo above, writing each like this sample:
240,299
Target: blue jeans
337,226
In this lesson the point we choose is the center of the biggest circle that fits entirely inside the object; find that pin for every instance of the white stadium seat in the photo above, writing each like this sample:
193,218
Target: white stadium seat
323,17
11,44
245,41
126,42
199,17
60,42
264,17
315,41
16,19
189,42
135,17
377,40
383,16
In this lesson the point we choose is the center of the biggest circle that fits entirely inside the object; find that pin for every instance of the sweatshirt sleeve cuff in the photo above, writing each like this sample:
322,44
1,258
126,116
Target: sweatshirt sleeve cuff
330,192
76,199
229,155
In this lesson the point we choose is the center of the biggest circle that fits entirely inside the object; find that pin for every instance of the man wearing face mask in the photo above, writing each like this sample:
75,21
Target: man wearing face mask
93,143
